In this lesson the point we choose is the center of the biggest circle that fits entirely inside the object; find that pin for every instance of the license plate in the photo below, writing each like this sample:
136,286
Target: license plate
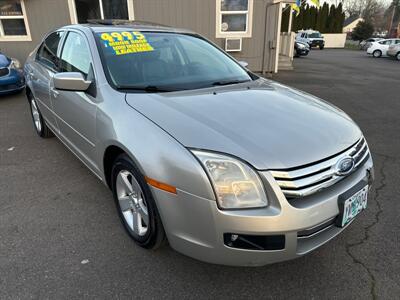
354,205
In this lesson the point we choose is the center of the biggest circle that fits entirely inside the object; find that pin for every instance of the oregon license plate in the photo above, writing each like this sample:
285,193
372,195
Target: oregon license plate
354,205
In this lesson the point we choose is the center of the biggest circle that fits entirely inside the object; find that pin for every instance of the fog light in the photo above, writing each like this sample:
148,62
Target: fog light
254,242
234,237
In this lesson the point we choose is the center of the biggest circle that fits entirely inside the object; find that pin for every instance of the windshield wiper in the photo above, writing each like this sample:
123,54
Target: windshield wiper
228,82
147,88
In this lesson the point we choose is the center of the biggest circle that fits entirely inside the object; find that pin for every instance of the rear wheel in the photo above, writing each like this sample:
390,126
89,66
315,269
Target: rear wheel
377,53
398,56
136,206
39,124
321,47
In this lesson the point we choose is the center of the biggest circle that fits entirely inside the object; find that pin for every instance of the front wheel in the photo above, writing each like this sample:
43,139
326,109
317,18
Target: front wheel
377,53
136,206
398,56
40,125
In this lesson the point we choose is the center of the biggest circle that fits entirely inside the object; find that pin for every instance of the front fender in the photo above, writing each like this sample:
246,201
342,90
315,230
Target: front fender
156,153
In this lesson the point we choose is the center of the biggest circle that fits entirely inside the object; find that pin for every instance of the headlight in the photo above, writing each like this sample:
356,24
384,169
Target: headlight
15,64
235,183
301,46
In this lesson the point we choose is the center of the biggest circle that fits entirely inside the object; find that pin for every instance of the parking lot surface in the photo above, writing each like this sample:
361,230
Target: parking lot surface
60,236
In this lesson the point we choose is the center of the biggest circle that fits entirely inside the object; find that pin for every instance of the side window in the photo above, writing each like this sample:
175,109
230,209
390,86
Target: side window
397,42
47,53
75,55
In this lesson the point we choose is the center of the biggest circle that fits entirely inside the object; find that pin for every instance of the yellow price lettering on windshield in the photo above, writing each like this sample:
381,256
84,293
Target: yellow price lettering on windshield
128,35
126,42
117,36
139,35
107,37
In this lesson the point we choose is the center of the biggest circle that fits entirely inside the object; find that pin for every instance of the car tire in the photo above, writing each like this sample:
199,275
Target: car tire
398,56
377,53
321,47
135,204
39,124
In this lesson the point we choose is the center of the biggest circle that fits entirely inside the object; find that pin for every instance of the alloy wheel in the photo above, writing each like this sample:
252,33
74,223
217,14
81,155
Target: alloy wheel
132,203
377,53
36,116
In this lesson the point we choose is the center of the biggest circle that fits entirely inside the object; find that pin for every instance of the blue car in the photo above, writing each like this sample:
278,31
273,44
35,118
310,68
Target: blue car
11,75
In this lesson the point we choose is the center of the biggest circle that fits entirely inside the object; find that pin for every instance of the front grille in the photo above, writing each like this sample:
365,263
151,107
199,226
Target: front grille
4,72
307,180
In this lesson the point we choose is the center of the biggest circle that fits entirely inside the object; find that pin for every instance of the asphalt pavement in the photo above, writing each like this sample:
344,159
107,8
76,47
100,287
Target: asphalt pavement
60,236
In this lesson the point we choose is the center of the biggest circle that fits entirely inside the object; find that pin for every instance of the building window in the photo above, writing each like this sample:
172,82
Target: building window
13,21
83,10
234,18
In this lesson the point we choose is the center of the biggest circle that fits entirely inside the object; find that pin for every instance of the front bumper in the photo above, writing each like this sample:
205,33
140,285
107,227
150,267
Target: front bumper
13,82
196,227
317,43
302,52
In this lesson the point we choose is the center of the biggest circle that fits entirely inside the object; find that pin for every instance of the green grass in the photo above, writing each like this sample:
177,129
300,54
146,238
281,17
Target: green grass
352,46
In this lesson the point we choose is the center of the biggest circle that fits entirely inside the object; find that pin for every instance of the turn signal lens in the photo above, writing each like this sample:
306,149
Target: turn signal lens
162,186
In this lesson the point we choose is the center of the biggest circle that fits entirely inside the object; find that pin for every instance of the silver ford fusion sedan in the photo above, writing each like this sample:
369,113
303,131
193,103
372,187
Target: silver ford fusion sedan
229,167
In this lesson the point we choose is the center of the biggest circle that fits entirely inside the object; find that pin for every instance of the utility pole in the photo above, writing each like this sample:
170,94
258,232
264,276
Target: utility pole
391,20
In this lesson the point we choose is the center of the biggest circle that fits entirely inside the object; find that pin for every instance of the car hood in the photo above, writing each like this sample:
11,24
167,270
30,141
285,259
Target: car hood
264,123
4,61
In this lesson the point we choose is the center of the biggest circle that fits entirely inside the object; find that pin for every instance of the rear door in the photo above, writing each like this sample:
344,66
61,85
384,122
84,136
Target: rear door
76,111
384,46
44,67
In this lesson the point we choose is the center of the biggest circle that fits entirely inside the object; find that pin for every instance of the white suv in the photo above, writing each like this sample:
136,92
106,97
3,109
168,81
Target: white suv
312,38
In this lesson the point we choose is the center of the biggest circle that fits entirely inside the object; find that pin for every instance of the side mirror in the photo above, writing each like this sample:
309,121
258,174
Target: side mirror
71,81
244,64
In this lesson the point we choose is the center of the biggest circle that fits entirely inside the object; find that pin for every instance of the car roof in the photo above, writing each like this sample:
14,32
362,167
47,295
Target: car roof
116,24
308,31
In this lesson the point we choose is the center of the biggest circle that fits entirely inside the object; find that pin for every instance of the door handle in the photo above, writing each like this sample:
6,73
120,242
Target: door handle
55,93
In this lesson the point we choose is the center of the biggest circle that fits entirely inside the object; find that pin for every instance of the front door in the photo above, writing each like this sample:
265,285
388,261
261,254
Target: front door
46,65
76,111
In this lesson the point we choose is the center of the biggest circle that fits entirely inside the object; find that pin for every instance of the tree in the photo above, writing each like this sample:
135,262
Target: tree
363,30
331,19
340,17
324,17
369,10
392,15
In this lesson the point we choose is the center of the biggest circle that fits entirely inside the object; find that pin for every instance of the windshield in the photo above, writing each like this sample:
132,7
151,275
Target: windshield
315,35
154,61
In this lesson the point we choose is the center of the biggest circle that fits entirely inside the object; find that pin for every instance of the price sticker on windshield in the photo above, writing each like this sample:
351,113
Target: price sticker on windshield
125,42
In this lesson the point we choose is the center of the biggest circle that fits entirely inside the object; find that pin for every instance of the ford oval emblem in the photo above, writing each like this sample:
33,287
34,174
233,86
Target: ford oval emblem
345,166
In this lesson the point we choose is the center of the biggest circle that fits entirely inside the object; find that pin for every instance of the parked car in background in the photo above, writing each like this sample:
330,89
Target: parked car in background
312,38
11,75
394,51
230,167
380,48
365,44
301,49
